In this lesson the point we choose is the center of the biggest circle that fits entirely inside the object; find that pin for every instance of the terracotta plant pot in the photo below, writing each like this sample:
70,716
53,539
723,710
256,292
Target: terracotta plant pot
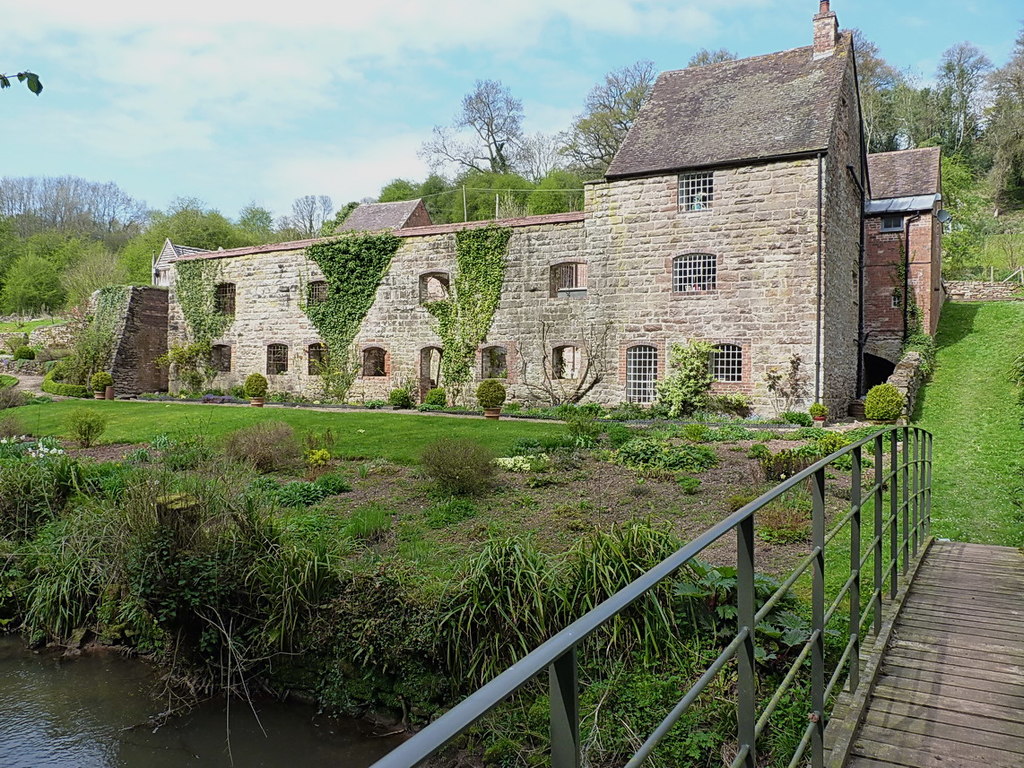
109,393
492,413
819,420
99,395
256,402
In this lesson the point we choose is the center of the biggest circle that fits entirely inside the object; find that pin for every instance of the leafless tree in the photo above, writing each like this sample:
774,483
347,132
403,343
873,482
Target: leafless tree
543,381
309,212
540,155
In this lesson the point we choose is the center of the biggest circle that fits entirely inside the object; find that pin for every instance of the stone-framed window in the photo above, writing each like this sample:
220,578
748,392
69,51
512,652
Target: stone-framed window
316,292
696,191
375,362
694,273
220,358
224,299
897,300
569,280
316,357
277,358
892,223
566,362
494,362
727,363
434,286
641,373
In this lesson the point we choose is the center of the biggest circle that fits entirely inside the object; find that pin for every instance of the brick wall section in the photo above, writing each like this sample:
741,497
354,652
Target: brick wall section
141,338
976,290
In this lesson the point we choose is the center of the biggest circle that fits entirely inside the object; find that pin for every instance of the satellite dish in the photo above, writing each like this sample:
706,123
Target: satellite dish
944,216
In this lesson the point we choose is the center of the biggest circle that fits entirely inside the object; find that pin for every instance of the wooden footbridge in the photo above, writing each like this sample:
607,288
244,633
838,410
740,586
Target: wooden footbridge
931,672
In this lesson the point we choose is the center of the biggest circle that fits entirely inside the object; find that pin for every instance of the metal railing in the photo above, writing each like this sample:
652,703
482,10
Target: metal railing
908,482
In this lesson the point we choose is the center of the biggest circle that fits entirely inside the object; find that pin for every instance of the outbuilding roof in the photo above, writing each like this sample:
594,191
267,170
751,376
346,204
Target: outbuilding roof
375,217
907,173
763,107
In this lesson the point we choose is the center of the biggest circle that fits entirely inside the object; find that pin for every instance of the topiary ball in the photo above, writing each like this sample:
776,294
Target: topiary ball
884,403
490,394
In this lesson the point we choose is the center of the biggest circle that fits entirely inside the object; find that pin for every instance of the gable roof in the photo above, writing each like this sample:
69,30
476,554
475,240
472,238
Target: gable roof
762,107
172,251
907,173
374,217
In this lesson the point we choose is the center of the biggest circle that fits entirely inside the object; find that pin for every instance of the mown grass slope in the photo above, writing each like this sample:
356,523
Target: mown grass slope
970,407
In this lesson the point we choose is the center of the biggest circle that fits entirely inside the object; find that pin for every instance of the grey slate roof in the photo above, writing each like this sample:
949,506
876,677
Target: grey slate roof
908,173
373,217
765,106
171,252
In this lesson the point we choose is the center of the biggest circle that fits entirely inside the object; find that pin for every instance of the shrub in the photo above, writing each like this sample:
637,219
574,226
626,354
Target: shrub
318,458
436,396
400,398
734,404
24,353
491,393
459,467
689,485
449,512
696,433
11,426
785,521
759,451
786,463
7,381
686,389
645,453
738,501
883,403
54,387
101,380
797,417
618,435
818,411
84,426
12,398
15,341
583,428
268,446
255,385
186,452
831,442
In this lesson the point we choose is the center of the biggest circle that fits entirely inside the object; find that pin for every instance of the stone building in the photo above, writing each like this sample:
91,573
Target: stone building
732,213
163,261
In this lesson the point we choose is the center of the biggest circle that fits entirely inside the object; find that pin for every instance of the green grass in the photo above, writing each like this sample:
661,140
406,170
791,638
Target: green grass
7,381
396,437
969,406
29,326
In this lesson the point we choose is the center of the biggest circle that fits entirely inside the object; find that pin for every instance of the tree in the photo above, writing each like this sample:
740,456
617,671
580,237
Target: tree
398,189
309,213
330,226
30,79
878,82
703,57
494,120
610,109
256,222
540,155
962,79
31,286
1005,135
97,269
557,192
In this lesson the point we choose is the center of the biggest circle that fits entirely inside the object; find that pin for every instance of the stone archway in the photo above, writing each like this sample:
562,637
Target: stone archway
430,370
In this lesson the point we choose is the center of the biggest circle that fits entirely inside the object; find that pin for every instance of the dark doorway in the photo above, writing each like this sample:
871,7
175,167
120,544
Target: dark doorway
876,370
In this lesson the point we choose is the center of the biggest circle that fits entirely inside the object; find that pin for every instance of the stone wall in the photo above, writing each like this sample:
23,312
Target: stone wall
977,290
908,379
140,338
51,336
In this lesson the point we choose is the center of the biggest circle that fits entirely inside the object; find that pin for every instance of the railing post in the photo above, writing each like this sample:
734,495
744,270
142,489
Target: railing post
905,477
746,606
915,507
878,554
565,715
894,526
928,492
855,555
818,620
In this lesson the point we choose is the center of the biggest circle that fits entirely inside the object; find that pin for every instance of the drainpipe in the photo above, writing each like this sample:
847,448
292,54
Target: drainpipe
906,274
861,338
820,289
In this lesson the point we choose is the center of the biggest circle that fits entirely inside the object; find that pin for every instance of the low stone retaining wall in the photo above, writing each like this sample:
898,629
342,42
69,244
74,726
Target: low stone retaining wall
54,335
978,290
908,379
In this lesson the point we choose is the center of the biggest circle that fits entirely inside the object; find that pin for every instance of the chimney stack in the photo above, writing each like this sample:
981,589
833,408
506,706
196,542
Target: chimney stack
826,31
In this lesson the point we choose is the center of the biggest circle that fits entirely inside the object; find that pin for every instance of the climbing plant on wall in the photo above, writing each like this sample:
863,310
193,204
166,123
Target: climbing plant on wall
196,287
464,318
93,345
353,268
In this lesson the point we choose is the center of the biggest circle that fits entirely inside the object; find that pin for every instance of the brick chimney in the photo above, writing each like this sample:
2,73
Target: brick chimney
826,31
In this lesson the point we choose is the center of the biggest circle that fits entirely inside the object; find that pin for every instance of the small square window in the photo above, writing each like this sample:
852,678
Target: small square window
316,292
696,191
569,281
892,223
897,300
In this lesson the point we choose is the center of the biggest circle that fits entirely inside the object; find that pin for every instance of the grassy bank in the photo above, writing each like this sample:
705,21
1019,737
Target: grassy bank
970,407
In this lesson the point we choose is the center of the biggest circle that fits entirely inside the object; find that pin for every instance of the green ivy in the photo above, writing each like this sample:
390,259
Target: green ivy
353,267
196,287
464,318
93,347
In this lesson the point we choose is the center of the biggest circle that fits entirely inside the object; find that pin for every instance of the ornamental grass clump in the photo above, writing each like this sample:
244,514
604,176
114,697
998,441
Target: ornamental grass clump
460,467
884,403
84,426
269,446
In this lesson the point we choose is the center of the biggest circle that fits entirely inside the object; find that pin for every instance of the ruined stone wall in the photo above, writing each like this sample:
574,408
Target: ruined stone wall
141,337
977,290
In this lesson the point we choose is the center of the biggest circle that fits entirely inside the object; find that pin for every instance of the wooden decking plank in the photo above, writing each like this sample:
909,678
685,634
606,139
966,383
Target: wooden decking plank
958,612
982,712
867,762
978,591
929,750
925,711
999,659
956,666
960,642
985,666
927,690
937,627
965,598
960,734
943,678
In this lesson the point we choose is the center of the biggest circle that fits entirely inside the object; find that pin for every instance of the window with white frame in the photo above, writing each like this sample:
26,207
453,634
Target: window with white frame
897,300
565,362
641,373
727,363
494,363
569,280
892,223
696,191
694,272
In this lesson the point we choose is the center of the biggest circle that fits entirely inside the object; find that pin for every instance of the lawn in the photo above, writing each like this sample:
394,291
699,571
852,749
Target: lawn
969,406
400,438
29,326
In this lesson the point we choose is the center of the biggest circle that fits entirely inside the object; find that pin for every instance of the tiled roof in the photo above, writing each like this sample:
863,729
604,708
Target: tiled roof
436,229
172,252
765,106
907,173
374,217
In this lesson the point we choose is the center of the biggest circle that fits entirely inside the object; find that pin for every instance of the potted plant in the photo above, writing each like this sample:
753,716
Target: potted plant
102,381
884,404
491,396
819,413
255,389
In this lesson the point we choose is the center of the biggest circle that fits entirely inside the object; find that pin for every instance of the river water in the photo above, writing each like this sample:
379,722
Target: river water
78,713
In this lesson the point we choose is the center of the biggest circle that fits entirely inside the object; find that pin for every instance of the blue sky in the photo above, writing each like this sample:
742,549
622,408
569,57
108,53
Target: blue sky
237,102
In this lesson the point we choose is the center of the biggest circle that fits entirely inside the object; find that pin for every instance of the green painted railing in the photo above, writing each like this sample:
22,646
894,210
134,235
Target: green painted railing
905,524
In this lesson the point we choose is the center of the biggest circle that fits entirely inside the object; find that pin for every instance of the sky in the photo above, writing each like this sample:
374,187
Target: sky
237,103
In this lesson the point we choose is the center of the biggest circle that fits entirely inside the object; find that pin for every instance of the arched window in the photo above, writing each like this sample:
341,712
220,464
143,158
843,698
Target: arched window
220,358
566,362
694,272
434,286
374,362
727,363
569,280
494,363
316,358
316,293
641,373
277,358
224,299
